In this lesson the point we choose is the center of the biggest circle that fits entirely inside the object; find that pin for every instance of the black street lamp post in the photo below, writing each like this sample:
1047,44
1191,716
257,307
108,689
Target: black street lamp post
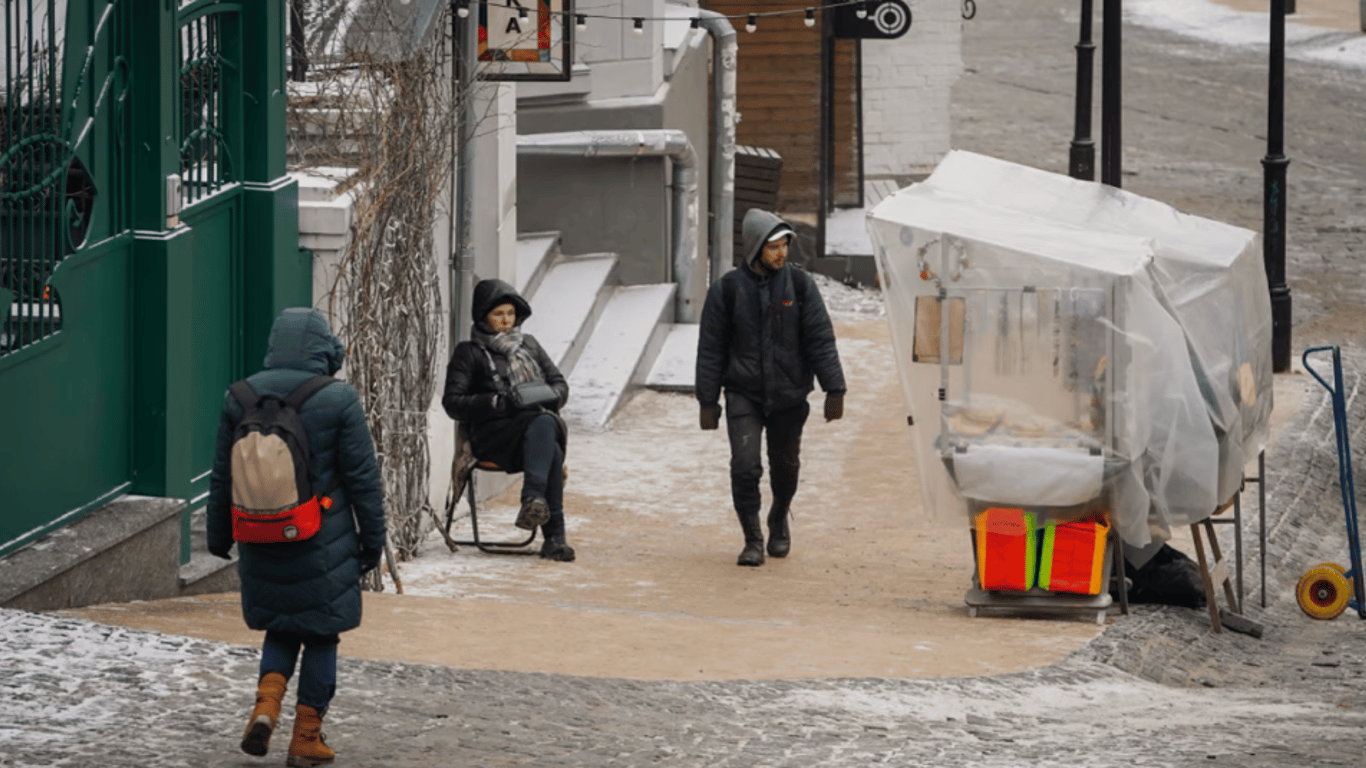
1274,166
1082,159
1110,94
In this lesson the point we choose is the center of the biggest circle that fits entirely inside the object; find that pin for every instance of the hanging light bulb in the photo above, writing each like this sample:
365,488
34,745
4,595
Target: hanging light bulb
861,10
521,13
752,23
462,8
810,17
580,22
638,26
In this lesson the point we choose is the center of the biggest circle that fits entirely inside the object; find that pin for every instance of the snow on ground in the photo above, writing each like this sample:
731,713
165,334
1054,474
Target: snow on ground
846,229
607,467
848,302
1225,26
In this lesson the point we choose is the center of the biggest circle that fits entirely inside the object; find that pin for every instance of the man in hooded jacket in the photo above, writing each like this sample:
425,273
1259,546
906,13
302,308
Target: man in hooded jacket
763,338
304,593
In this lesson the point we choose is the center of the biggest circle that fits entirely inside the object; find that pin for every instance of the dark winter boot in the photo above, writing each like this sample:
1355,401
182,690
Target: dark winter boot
753,553
308,748
534,513
779,538
555,548
266,715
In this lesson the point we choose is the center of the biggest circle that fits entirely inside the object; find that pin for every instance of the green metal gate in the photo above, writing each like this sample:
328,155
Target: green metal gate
210,54
65,249
134,213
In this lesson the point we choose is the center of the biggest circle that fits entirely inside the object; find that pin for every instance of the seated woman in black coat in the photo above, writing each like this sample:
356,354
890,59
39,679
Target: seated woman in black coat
479,382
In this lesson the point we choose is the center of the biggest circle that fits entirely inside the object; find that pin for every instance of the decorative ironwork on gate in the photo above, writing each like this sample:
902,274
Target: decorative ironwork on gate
207,65
36,170
47,195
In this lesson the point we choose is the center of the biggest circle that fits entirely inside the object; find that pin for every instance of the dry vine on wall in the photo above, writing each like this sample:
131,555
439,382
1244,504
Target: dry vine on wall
388,120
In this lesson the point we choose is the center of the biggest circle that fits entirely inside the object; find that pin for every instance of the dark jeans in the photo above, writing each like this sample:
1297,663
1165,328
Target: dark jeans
745,421
317,673
543,470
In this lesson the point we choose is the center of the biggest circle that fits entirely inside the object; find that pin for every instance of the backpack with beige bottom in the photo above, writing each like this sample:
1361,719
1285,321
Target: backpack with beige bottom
273,499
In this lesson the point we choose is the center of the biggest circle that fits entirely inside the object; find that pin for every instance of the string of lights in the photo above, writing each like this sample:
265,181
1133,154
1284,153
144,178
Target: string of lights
638,22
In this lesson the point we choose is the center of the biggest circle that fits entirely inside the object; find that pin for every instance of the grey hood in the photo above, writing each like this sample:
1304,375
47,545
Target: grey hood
757,227
301,340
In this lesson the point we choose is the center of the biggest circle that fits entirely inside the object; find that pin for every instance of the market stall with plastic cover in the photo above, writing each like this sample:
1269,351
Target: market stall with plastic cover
1071,347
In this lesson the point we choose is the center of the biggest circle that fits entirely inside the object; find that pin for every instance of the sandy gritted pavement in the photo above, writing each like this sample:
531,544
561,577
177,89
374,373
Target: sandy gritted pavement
1156,687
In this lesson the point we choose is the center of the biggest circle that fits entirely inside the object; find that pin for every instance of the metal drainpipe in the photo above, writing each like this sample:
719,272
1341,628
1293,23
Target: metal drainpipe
669,143
461,272
724,118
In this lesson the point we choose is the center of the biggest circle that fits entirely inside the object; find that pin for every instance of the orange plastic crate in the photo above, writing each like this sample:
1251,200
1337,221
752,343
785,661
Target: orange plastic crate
1007,549
1073,556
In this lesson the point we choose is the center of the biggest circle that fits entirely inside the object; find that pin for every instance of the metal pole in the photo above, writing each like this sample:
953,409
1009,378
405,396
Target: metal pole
298,53
1274,193
1082,163
858,111
1110,94
1261,514
462,250
823,154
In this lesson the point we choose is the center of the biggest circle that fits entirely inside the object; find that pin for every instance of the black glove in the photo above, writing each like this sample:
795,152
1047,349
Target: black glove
834,405
710,417
222,552
498,405
369,559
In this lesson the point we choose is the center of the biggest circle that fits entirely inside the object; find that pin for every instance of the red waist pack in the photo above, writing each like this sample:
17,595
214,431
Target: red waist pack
294,524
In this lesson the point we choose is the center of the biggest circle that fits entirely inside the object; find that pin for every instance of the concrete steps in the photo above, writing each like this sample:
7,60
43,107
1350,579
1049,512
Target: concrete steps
619,354
675,367
568,303
535,254
605,337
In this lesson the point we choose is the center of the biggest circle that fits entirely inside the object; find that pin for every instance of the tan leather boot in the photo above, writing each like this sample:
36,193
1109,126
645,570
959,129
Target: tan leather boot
308,748
266,715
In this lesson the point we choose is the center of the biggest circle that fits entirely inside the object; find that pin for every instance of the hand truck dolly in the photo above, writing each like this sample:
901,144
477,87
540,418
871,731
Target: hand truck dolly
1327,589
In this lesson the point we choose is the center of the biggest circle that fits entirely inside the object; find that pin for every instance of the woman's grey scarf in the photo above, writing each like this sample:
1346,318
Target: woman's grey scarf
522,367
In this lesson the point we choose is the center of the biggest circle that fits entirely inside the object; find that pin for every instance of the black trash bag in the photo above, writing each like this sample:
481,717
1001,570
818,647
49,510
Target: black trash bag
1169,578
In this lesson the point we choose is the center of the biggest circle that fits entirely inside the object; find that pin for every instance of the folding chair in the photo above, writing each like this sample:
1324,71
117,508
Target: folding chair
463,481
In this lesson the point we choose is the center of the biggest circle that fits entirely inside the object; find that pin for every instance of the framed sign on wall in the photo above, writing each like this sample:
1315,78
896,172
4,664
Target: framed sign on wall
526,39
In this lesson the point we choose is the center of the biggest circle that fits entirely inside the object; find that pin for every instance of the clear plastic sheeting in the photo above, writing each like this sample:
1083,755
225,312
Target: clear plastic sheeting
1071,348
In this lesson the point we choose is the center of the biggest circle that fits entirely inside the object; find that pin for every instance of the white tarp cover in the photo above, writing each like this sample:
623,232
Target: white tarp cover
1094,344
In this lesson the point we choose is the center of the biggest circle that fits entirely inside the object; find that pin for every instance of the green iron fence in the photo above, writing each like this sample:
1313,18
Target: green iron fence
44,190
134,213
209,87
64,263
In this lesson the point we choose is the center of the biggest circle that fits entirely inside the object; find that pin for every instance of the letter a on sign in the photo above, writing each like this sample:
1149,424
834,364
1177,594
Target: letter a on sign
537,46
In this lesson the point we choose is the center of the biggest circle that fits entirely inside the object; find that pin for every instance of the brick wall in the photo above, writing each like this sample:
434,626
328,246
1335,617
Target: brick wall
906,90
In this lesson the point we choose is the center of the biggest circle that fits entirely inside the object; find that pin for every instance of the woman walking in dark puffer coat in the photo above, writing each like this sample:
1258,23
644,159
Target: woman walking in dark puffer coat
479,379
304,593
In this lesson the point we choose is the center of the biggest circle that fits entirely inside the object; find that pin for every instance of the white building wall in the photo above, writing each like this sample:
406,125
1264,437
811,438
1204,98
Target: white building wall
906,91
624,64
494,234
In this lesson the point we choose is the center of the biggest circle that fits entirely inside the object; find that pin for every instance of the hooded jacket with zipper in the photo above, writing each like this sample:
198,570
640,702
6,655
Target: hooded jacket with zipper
310,586
766,334
476,398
